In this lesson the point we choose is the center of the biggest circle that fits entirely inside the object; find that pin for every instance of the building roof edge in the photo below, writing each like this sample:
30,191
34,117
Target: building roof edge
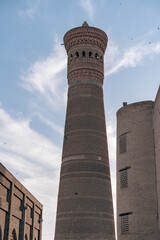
11,177
133,105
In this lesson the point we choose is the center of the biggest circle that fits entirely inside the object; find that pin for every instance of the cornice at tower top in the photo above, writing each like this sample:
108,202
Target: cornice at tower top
85,35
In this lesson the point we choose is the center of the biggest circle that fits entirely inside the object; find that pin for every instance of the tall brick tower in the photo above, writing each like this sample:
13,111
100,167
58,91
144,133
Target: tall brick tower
85,209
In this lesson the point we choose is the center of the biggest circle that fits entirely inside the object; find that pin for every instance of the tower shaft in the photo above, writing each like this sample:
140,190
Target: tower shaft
85,209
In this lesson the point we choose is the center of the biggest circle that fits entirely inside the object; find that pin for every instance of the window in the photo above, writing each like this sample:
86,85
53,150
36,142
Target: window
125,222
83,53
14,235
122,143
96,56
76,54
71,57
124,179
90,54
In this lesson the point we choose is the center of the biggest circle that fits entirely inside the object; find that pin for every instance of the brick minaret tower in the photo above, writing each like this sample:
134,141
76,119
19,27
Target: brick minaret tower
85,209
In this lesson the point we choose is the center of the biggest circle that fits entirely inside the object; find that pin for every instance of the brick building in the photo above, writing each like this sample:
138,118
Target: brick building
85,208
138,170
20,212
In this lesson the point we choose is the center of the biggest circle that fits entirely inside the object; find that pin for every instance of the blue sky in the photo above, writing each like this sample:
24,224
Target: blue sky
33,82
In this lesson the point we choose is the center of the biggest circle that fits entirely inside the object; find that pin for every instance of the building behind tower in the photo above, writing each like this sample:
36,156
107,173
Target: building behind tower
20,211
138,170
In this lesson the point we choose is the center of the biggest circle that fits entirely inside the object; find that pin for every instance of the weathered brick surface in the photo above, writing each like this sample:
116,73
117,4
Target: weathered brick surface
85,209
139,198
20,212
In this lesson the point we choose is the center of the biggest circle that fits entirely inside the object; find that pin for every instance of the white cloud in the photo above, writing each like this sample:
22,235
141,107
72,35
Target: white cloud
54,126
45,80
34,160
45,76
48,196
133,56
111,54
30,10
17,137
88,6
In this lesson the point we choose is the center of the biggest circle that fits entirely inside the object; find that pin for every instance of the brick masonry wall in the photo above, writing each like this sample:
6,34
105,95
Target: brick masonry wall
20,212
85,209
136,188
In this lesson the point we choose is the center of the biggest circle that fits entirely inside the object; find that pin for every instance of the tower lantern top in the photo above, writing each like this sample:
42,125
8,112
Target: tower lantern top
85,35
85,24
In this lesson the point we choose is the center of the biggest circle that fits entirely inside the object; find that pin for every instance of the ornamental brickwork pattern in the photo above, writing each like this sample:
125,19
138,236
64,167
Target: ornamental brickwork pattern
85,208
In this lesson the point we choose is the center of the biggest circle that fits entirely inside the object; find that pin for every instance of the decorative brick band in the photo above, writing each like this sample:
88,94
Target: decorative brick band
85,35
85,74
91,81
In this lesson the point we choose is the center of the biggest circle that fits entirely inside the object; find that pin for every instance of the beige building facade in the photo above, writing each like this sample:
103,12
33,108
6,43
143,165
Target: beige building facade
20,212
138,170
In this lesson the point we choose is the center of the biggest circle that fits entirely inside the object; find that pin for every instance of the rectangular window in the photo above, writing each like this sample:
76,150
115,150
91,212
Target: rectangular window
124,177
122,143
125,222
